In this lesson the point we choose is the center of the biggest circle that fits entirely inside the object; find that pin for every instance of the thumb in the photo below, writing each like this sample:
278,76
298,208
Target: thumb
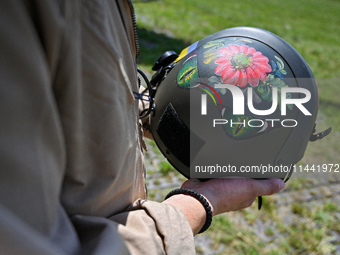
269,186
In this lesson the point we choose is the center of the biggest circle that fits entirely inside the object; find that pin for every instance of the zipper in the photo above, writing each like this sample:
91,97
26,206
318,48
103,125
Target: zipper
135,34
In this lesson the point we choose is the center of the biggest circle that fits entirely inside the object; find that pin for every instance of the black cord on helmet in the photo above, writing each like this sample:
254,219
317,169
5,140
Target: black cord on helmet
144,96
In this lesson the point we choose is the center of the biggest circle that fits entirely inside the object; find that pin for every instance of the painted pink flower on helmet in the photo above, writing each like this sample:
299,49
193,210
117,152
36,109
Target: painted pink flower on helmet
240,65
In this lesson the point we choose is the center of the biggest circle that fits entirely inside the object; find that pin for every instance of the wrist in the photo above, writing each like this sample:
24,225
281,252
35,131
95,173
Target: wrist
192,209
194,184
195,207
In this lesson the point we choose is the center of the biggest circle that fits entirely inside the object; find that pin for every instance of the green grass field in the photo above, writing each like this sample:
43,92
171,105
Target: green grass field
313,28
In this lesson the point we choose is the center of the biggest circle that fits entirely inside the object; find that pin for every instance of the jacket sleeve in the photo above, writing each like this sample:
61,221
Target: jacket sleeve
58,196
154,228
147,228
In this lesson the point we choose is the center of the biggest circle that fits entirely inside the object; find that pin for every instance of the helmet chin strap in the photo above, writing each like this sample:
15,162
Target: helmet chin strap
320,135
260,202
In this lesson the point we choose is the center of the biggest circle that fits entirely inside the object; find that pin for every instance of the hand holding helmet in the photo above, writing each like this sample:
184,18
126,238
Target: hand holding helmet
242,98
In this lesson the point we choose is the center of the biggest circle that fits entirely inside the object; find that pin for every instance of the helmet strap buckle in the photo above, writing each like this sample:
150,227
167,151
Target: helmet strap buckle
320,135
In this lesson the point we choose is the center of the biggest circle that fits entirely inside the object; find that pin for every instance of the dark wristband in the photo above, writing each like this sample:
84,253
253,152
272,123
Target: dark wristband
200,198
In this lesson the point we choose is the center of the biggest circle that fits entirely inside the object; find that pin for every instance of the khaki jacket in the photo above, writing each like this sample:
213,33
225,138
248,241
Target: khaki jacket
71,165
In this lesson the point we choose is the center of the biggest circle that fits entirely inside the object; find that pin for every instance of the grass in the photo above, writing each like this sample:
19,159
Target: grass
310,26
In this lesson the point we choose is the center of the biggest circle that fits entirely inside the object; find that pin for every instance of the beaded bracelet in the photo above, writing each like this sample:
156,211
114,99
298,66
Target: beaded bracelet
200,198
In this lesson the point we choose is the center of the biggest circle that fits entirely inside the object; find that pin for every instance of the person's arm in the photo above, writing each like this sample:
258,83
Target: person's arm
150,227
224,195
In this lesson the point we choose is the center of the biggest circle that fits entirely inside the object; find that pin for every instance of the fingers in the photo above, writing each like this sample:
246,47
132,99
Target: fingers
246,203
191,183
231,194
269,186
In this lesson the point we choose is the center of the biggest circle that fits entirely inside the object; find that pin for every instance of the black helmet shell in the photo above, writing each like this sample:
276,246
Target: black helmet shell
250,59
